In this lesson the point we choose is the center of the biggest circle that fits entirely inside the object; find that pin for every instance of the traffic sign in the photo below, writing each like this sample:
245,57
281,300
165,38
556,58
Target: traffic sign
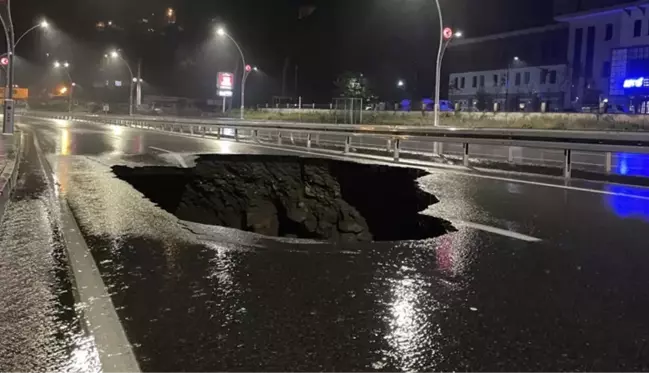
447,33
4,61
248,68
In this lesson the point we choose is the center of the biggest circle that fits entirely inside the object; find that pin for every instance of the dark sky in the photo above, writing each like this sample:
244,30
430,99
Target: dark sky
386,40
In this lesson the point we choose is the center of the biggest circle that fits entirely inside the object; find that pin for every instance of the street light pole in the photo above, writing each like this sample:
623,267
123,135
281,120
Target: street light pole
116,54
8,119
222,32
66,66
438,67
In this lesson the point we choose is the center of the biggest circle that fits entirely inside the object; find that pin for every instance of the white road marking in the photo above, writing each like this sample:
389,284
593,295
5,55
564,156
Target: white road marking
490,229
406,163
452,168
176,156
96,306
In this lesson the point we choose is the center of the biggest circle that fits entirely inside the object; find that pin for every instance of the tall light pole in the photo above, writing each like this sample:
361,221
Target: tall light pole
116,55
509,68
66,67
246,68
446,35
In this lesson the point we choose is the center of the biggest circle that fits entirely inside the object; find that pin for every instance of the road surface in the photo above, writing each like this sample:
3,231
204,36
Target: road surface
540,275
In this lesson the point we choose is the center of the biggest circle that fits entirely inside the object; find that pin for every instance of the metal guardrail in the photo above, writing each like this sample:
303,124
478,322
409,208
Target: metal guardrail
606,142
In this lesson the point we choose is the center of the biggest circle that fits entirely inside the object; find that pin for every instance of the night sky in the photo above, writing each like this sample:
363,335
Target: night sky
386,40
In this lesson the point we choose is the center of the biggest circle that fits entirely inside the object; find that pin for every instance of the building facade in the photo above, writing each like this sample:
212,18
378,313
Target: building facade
505,69
608,52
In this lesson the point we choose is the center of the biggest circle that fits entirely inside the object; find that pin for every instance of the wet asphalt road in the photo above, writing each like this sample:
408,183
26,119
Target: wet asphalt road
469,300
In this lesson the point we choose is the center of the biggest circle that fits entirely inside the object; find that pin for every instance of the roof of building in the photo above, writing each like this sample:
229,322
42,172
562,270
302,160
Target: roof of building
510,34
601,11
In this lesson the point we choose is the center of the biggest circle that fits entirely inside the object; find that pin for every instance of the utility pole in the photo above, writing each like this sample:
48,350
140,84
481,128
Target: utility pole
138,95
297,69
8,120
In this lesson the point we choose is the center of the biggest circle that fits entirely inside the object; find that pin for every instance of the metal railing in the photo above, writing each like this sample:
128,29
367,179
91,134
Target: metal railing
399,141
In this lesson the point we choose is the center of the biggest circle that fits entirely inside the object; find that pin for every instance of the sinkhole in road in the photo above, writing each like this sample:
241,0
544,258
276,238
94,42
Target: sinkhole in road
288,196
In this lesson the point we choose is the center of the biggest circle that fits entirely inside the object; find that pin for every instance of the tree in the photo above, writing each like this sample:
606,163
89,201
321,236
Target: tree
483,100
353,85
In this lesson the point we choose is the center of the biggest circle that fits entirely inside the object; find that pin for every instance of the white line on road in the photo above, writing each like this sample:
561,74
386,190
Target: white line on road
456,169
176,156
502,232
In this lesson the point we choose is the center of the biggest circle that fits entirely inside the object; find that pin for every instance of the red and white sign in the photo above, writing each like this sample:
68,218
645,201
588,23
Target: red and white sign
225,81
248,68
4,61
447,33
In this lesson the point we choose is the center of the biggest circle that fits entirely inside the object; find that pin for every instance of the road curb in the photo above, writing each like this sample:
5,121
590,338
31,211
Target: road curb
9,175
94,303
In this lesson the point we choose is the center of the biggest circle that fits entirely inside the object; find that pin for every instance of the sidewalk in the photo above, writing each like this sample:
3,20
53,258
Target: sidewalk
9,159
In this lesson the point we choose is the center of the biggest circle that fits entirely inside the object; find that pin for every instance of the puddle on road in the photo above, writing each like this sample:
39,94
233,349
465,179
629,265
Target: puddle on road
285,196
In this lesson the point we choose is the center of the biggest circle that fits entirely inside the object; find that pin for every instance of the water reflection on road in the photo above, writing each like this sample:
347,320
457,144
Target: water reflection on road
629,201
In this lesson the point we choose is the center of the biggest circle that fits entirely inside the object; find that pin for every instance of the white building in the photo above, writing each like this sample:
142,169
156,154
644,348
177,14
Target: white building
517,69
527,84
608,47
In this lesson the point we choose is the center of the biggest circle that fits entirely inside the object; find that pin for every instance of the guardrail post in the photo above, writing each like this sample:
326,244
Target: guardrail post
218,132
236,134
510,155
609,162
348,141
389,145
440,149
397,147
465,159
308,141
567,163
255,135
191,130
204,130
279,138
317,139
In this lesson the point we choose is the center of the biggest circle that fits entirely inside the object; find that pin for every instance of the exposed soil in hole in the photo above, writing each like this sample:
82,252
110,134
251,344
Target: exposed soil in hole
289,196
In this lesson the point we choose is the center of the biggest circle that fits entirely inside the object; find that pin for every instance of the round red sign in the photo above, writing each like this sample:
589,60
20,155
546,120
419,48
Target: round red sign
4,61
447,33
248,68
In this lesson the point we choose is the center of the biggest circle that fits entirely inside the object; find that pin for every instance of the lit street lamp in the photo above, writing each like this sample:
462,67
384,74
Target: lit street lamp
400,83
246,68
66,66
11,42
116,55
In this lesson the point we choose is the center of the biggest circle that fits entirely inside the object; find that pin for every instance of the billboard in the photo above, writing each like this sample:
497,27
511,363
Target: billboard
19,93
225,81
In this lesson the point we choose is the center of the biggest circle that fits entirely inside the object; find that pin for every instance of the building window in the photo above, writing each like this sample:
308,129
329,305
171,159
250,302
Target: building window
455,83
495,80
481,81
606,69
609,32
474,82
462,81
553,77
590,51
544,76
518,79
527,77
637,28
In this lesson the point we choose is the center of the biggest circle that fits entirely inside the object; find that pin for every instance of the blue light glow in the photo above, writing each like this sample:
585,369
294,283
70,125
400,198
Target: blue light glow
636,83
631,164
633,204
629,201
